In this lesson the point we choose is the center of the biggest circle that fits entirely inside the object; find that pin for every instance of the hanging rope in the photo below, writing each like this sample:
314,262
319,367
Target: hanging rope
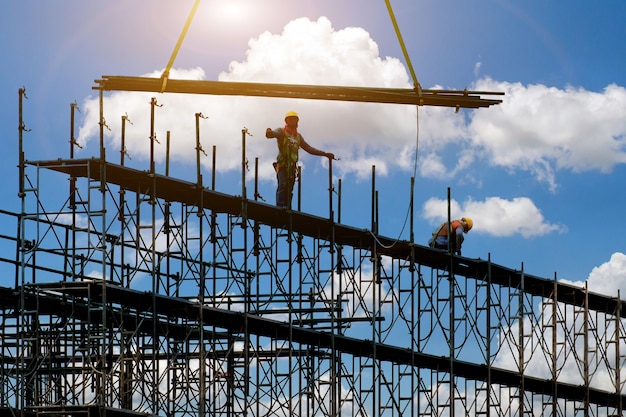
166,72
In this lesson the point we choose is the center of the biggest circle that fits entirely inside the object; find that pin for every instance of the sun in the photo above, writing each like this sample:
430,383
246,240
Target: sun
230,10
221,25
230,14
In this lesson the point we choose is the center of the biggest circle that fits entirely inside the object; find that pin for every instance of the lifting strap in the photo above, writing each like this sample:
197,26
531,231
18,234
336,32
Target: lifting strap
416,83
166,72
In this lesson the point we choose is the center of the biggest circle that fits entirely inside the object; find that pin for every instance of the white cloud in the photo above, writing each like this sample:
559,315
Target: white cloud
308,52
432,166
477,67
544,129
495,216
608,278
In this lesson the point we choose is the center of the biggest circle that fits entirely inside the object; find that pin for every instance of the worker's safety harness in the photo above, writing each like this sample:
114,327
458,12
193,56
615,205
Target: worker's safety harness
288,145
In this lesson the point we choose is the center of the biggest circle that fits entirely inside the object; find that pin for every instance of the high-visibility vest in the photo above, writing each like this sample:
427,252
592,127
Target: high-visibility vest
288,146
443,229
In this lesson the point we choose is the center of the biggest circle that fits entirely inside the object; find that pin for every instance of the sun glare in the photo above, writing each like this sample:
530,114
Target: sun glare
226,14
230,10
225,23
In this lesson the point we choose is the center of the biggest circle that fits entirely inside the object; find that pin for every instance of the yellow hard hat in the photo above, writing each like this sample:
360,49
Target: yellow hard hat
292,113
469,222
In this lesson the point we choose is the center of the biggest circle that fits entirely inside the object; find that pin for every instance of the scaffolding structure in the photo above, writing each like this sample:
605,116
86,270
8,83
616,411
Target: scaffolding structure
136,293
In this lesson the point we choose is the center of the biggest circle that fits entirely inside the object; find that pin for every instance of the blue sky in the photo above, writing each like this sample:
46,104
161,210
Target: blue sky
540,174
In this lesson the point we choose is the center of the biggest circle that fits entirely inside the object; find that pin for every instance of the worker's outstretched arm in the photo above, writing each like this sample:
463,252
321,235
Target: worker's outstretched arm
314,151
269,133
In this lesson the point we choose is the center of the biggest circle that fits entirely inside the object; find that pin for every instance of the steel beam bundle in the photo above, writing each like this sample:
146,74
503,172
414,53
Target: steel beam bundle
446,98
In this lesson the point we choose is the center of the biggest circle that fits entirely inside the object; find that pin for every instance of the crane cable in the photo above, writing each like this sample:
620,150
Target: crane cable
166,72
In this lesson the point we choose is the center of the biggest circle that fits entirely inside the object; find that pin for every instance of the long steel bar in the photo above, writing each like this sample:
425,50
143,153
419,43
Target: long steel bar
446,98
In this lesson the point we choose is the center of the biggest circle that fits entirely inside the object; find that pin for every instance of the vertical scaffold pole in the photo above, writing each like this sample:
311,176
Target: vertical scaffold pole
618,337
123,138
21,129
335,300
339,201
101,333
199,149
554,322
373,196
330,189
73,107
586,370
489,330
451,282
213,167
374,309
449,225
213,214
22,387
244,166
167,154
256,248
244,163
153,104
411,205
72,142
122,210
520,344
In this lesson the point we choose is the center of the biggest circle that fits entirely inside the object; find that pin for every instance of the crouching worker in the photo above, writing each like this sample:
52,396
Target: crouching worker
439,239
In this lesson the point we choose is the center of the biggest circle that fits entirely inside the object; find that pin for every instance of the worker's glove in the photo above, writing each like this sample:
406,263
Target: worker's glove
269,133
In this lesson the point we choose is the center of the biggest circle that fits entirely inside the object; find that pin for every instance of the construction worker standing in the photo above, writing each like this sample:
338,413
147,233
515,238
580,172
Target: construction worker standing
289,141
457,228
